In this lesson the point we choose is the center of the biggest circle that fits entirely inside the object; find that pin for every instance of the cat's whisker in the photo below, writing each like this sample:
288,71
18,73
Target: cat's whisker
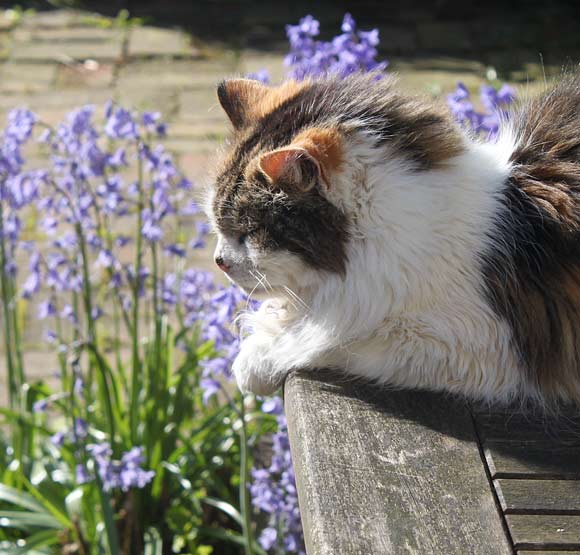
265,282
296,297
249,300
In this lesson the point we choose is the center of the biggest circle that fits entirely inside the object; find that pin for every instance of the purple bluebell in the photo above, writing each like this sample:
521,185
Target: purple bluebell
495,103
121,125
46,309
82,475
262,75
350,52
126,473
58,438
210,388
41,405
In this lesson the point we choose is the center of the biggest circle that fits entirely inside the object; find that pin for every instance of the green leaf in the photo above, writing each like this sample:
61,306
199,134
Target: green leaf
48,505
110,526
19,498
24,520
226,508
40,539
153,542
236,539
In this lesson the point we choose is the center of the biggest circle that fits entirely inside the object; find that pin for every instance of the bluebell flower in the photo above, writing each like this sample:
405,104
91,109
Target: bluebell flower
174,249
58,438
46,309
81,428
262,75
268,538
495,103
120,125
210,388
82,475
347,53
40,405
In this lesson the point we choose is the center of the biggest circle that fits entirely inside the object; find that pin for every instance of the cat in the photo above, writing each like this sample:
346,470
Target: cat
388,243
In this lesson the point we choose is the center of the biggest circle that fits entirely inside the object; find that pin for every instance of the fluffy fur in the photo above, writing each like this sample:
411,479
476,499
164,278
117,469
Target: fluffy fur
388,244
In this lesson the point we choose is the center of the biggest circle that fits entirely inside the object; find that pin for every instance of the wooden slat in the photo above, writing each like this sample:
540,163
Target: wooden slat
517,427
526,552
517,460
539,496
548,552
388,472
545,531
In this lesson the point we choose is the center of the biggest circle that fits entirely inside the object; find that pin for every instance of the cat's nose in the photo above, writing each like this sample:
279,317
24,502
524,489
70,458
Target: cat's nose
221,264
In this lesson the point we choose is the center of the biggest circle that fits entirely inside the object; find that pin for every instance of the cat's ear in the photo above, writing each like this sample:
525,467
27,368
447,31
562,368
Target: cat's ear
238,97
291,166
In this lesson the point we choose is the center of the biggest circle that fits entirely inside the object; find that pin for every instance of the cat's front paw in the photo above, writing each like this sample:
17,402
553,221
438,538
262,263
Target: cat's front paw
253,370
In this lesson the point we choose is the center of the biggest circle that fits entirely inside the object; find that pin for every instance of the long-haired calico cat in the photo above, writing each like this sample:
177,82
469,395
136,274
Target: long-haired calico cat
392,246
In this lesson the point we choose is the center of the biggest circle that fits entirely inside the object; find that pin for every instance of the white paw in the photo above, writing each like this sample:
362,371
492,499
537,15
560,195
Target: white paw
253,371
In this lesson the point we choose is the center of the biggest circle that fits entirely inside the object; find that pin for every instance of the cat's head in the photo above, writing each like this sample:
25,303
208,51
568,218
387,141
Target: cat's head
284,204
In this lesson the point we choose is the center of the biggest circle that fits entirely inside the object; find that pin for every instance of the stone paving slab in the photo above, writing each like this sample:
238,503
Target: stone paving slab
200,105
4,45
55,100
58,51
55,18
149,98
32,78
91,74
151,42
92,35
252,61
180,74
207,129
191,144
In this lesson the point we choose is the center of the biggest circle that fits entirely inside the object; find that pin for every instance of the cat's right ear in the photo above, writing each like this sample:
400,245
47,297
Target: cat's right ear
238,96
291,167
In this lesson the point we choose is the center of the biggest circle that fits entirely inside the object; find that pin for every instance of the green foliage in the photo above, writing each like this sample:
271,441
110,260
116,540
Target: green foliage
56,494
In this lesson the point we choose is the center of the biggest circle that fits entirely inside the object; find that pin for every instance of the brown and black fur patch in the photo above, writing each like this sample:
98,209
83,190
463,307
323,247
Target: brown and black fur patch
533,274
317,116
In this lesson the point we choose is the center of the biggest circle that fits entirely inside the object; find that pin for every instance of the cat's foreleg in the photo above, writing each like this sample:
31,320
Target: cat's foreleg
273,350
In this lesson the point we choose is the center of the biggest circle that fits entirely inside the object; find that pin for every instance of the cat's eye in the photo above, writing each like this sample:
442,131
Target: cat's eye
242,238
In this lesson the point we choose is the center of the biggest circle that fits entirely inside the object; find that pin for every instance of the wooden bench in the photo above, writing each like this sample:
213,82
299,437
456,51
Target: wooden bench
399,472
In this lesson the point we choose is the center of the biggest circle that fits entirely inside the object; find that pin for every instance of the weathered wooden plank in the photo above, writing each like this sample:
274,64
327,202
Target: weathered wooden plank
545,531
539,496
520,427
513,460
548,552
388,472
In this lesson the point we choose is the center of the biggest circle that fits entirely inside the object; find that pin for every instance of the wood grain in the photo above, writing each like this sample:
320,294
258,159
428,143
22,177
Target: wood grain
543,431
545,531
388,472
515,460
548,552
539,496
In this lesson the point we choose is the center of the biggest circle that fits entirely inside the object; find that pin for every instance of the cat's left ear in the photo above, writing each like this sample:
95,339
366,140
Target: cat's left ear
310,159
238,96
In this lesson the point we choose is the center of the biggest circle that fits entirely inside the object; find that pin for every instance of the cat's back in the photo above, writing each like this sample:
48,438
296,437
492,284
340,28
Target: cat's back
533,272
